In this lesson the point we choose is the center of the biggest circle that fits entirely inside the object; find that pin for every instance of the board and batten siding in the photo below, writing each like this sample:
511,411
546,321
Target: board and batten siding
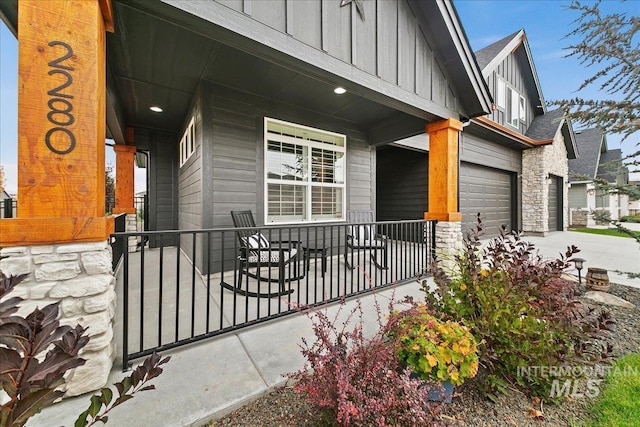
511,71
391,43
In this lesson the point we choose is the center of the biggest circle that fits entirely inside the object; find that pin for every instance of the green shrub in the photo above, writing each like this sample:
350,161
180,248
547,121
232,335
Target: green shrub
520,310
631,218
436,350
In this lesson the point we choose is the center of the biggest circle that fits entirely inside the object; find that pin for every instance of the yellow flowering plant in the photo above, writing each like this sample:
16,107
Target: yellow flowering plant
435,349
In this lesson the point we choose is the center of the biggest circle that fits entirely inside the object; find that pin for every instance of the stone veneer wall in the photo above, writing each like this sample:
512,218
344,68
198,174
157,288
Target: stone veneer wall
78,275
537,164
448,241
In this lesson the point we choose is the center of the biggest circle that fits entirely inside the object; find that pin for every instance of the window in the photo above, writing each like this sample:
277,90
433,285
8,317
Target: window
516,108
305,173
188,143
512,103
501,94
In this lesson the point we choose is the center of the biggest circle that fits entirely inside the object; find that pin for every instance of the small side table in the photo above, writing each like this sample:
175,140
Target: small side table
310,251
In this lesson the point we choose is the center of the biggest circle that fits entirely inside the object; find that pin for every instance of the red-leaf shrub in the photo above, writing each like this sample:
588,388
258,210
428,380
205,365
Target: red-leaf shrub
357,381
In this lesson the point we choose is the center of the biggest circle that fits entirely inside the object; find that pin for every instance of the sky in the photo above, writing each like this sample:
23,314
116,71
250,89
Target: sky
546,22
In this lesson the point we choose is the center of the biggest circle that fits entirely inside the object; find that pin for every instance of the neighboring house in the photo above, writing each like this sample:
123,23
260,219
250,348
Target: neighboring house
634,205
514,161
596,162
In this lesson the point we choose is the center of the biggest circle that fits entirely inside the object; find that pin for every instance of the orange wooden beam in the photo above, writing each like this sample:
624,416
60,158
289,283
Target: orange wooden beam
443,170
61,117
124,179
47,231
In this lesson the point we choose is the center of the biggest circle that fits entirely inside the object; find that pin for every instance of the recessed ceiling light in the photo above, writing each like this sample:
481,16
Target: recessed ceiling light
156,109
339,90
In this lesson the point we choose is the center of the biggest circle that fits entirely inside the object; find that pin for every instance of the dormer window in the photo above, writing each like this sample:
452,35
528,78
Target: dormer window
511,103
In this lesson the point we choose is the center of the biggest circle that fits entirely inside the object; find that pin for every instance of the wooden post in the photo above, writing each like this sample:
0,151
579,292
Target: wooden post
124,179
443,170
61,123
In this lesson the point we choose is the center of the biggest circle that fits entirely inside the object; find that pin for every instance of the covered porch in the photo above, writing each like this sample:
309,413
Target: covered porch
166,301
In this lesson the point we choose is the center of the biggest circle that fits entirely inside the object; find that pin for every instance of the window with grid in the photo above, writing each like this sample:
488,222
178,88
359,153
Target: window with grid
188,143
305,173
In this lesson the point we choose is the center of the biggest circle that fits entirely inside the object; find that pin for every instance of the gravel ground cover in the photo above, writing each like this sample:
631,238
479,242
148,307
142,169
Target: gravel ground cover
283,407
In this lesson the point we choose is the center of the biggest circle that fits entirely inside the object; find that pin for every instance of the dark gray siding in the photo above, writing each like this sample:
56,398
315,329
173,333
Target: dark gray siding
390,43
233,151
163,176
402,182
190,177
487,153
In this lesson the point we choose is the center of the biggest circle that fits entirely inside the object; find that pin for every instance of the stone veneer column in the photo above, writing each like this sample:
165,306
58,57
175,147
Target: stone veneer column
448,243
132,227
79,276
537,164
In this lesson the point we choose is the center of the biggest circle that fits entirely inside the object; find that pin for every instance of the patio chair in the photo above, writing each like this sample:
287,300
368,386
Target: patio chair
256,251
362,236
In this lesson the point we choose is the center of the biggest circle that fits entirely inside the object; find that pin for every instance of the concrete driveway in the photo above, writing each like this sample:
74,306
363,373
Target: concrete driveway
618,255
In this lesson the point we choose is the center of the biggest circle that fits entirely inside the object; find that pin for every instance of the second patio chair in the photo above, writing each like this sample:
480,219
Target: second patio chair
256,251
362,236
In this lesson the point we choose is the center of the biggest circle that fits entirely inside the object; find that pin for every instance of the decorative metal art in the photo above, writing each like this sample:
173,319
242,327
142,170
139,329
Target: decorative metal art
358,4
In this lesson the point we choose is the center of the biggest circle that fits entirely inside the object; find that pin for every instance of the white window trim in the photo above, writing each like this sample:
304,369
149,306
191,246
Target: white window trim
501,94
308,185
187,143
522,114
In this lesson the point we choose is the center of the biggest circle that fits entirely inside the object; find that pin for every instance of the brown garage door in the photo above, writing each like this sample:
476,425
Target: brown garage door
489,192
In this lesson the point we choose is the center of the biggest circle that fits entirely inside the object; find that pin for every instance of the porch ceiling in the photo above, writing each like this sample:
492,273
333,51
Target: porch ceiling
153,61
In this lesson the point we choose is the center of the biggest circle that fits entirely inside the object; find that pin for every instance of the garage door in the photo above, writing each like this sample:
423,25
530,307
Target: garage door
487,191
555,223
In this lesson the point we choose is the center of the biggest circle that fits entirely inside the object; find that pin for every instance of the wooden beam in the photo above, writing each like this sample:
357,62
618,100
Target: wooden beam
125,155
48,231
61,122
443,170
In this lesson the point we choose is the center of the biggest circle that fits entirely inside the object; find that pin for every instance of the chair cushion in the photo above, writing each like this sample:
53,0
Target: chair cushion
362,234
256,241
271,256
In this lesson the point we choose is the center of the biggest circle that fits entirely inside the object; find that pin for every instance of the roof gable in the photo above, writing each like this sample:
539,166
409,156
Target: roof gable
490,57
590,144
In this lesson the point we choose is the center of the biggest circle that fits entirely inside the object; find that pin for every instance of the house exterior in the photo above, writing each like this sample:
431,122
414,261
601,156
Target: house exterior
596,163
513,162
277,106
634,205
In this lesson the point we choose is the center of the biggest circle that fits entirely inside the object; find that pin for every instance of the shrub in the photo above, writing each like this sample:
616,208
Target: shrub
520,309
436,350
32,378
630,218
357,381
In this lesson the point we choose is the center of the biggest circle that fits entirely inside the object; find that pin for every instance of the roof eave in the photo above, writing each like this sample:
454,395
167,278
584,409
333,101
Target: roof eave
467,58
512,134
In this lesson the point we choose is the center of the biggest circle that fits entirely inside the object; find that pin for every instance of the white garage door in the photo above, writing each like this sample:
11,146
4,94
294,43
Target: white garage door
487,191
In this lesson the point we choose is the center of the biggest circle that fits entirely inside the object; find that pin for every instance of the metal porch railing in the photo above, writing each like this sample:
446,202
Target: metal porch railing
182,286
